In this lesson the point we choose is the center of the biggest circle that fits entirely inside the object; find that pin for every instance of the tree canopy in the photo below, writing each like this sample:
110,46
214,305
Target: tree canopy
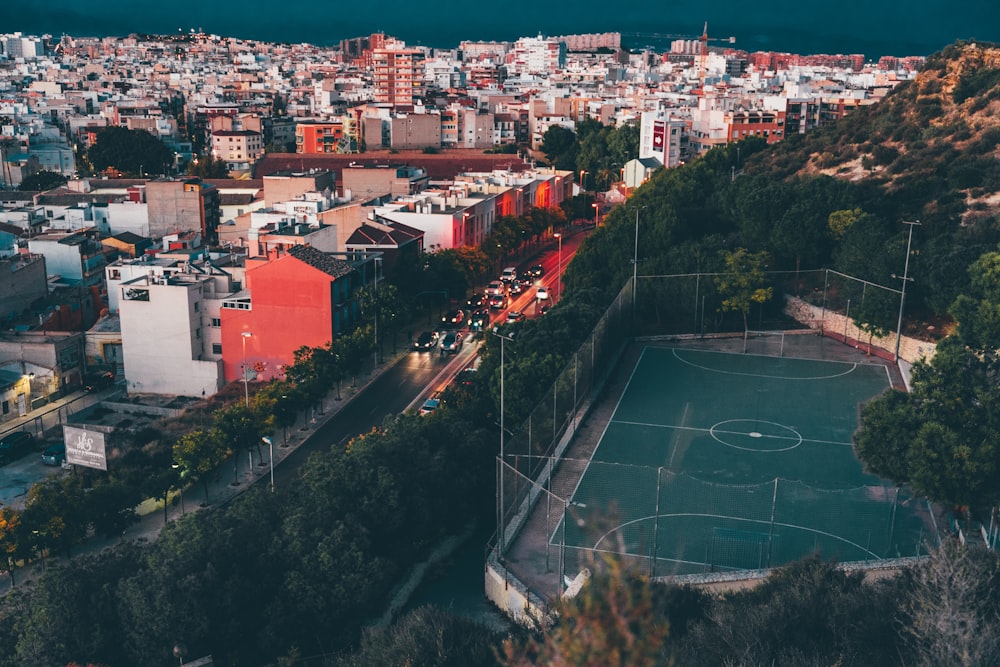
130,152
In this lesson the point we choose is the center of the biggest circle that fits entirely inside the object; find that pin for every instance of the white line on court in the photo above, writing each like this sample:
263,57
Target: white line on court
850,370
709,431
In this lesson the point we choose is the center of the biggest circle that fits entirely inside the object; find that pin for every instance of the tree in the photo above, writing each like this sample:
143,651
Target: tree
742,284
612,621
43,180
950,611
560,147
208,167
197,454
236,430
131,152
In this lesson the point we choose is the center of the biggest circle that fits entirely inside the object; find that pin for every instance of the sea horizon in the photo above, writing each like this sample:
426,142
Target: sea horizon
850,27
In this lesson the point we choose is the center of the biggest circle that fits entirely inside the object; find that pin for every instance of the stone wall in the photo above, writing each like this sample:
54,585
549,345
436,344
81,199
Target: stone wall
837,326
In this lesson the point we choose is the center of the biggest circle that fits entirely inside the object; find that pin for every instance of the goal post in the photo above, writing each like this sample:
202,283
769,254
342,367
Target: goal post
769,343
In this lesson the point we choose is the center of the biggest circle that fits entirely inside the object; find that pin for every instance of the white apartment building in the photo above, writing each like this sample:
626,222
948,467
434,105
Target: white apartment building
171,327
237,148
660,137
536,55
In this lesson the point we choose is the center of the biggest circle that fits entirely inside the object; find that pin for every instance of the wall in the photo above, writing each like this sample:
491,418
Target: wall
836,325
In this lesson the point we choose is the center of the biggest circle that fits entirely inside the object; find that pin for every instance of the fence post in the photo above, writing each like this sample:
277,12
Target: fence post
656,524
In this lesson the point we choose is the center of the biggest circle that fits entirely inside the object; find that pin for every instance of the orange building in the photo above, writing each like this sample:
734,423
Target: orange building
303,297
318,137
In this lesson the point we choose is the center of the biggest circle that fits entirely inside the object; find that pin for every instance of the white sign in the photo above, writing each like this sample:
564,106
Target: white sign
85,448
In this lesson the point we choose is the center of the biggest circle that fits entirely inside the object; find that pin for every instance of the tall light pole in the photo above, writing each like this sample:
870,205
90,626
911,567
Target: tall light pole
500,507
558,236
246,388
270,444
635,258
583,187
902,295
597,212
376,261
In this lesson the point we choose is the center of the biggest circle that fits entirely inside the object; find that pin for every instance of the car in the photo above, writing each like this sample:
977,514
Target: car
453,318
498,301
537,271
544,309
477,300
479,319
98,381
426,341
430,405
496,288
508,274
526,277
515,316
451,342
15,445
54,454
542,293
516,286
466,376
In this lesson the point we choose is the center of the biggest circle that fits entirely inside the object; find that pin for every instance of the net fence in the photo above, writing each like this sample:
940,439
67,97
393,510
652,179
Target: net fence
669,524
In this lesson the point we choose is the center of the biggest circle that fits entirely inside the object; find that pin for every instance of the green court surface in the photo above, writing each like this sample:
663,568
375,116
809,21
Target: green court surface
715,461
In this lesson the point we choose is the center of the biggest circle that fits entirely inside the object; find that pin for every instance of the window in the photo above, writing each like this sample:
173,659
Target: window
197,306
216,322
216,348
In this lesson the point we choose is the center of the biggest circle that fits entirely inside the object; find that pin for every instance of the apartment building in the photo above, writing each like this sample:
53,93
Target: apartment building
398,75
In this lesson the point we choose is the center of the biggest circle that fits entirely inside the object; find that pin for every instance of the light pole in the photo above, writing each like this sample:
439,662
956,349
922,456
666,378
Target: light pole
583,188
902,295
558,236
246,388
375,299
635,258
270,444
500,508
597,212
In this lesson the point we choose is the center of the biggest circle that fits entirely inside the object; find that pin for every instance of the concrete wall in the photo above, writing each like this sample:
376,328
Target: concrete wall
836,325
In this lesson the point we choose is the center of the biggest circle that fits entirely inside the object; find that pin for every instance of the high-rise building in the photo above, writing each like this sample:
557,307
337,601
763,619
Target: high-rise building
398,75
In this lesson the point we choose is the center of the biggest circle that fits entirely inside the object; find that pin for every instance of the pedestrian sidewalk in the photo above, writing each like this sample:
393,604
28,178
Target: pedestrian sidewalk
221,489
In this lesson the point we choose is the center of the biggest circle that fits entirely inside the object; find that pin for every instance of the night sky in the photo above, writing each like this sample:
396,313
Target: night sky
917,27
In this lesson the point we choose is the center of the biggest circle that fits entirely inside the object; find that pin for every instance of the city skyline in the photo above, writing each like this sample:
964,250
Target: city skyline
848,27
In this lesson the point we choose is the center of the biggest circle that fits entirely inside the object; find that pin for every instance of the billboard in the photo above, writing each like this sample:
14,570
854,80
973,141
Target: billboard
85,448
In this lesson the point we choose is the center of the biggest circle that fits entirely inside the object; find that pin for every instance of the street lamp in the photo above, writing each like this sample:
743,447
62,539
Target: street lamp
270,444
500,507
583,188
246,389
597,212
558,236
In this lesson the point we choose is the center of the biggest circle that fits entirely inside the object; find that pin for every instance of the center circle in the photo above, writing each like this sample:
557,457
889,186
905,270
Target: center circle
756,435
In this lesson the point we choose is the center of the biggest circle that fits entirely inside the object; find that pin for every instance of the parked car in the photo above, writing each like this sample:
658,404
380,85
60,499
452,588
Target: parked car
479,319
542,293
496,288
430,405
54,454
466,376
498,301
477,300
544,308
508,274
515,316
98,381
15,445
454,318
451,342
537,271
426,341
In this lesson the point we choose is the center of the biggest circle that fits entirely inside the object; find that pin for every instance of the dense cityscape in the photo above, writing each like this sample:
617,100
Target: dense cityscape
218,252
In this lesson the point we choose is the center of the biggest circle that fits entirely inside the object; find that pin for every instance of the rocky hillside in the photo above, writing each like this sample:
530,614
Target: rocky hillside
932,145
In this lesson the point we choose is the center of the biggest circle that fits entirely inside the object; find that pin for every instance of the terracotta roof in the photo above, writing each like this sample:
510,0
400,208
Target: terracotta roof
318,259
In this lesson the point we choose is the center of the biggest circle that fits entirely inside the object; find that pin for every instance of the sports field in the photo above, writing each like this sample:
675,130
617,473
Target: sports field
716,461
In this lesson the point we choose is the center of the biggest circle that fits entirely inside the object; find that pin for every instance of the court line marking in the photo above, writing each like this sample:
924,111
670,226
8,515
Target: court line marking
850,370
611,420
709,431
736,518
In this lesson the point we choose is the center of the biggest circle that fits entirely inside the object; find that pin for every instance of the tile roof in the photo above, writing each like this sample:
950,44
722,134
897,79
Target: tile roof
444,165
318,259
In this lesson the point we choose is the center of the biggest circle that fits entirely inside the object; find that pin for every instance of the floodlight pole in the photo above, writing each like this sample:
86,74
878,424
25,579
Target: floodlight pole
902,295
558,236
635,259
500,527
246,389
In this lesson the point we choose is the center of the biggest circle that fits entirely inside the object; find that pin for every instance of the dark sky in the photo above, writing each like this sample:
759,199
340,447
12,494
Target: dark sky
917,27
